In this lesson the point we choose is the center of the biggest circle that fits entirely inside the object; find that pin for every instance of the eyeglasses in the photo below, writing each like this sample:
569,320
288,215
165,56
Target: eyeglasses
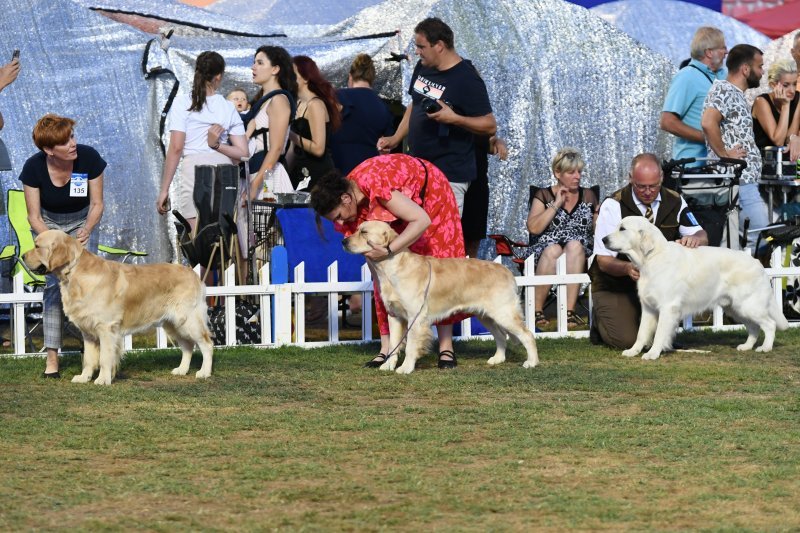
646,188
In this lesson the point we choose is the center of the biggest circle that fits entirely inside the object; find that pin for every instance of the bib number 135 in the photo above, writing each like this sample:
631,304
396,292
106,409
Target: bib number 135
79,185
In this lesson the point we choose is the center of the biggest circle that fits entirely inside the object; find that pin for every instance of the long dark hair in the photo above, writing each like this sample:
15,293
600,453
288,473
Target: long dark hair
208,65
327,194
280,58
321,87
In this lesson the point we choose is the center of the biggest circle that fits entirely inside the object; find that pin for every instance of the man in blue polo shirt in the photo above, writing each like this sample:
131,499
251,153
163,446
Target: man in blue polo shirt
683,106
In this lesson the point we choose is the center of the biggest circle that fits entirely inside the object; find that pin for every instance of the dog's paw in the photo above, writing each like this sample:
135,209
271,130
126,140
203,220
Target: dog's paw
80,378
180,371
764,349
651,356
389,365
745,347
496,359
200,374
529,364
102,380
405,369
631,352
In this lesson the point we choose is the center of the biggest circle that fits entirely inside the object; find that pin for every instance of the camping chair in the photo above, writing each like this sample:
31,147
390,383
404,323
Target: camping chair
304,245
17,211
517,252
214,242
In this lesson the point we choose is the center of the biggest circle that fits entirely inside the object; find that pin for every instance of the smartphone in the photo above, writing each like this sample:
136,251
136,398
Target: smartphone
15,55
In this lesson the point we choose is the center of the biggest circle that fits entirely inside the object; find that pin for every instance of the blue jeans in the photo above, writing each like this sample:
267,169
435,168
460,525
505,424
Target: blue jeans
753,207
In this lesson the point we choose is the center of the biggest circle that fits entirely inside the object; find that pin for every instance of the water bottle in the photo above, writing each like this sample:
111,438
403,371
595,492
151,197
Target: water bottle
269,186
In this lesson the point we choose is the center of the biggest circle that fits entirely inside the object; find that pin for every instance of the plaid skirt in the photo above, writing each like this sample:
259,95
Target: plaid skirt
53,312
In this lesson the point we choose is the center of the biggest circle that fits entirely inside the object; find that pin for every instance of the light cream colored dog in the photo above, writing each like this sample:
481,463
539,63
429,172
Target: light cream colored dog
108,300
675,281
419,291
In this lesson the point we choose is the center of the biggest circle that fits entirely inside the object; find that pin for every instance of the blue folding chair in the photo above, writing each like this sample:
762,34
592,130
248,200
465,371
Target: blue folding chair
305,245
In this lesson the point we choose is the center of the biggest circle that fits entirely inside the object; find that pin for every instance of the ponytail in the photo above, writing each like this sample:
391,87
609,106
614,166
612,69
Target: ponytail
208,65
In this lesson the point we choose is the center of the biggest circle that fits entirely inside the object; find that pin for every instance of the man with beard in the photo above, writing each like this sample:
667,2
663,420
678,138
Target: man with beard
728,126
683,106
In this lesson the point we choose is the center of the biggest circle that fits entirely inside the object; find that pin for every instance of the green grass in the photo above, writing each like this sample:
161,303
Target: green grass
308,440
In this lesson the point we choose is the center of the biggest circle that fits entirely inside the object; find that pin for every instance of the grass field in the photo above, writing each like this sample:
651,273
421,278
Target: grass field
309,441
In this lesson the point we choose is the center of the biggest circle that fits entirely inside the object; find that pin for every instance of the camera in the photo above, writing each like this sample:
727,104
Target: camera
15,55
430,105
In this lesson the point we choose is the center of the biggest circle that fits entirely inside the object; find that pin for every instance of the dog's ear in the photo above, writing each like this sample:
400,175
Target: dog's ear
61,253
646,243
390,235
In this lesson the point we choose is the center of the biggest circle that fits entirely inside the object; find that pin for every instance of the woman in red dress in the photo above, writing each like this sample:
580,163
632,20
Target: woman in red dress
412,196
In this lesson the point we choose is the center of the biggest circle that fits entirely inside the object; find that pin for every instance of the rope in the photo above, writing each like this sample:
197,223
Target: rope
424,298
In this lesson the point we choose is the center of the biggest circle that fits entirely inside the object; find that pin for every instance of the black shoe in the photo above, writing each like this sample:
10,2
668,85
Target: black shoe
52,375
377,362
447,364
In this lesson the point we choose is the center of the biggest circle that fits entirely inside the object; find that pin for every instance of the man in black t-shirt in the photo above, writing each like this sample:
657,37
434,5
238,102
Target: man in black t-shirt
449,104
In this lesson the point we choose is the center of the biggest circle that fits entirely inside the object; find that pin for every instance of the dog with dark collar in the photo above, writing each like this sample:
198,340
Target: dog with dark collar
419,291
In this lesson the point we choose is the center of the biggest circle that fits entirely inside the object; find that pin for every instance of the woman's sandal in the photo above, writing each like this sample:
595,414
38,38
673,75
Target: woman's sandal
573,320
446,364
541,320
377,362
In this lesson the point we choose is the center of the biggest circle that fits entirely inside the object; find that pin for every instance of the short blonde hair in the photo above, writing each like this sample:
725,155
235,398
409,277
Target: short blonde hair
567,159
779,68
52,130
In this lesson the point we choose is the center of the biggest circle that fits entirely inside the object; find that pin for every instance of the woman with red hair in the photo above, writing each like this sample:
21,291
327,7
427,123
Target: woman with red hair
63,185
317,116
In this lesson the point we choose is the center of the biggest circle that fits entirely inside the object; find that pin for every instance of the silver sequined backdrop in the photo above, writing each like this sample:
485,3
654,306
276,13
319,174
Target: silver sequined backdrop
667,26
557,75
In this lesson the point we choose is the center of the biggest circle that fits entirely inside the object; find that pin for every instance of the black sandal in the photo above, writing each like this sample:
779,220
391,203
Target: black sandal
573,320
446,364
377,361
541,319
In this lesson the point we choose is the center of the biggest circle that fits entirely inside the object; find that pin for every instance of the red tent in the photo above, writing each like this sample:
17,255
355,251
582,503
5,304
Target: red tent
775,22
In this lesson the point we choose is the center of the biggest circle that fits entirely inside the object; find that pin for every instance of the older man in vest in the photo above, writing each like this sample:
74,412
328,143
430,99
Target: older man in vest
616,310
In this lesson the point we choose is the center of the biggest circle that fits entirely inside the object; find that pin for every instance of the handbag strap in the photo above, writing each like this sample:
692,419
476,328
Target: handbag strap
424,188
703,73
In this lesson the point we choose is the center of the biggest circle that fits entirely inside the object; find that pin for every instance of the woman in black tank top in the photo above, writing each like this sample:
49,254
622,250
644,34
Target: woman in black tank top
317,116
775,116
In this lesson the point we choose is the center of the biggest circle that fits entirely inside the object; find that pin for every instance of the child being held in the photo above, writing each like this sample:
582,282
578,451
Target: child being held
238,97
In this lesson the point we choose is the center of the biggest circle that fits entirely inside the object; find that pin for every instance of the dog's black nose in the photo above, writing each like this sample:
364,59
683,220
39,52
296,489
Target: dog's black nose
605,240
41,270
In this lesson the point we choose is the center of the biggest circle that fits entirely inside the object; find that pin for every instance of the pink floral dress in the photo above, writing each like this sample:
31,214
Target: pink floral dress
377,177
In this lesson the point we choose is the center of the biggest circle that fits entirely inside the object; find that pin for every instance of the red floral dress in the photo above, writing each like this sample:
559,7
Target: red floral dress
377,177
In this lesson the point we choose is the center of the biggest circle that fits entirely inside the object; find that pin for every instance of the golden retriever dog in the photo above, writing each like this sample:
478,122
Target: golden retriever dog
108,300
419,291
676,281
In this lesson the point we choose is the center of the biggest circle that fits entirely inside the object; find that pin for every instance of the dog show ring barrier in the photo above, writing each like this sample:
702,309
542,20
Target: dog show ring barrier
284,305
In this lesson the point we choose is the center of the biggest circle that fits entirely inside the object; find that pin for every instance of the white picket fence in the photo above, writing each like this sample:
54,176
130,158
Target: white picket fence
282,306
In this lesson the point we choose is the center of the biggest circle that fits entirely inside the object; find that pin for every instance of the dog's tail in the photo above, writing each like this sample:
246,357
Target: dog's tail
780,321
202,302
